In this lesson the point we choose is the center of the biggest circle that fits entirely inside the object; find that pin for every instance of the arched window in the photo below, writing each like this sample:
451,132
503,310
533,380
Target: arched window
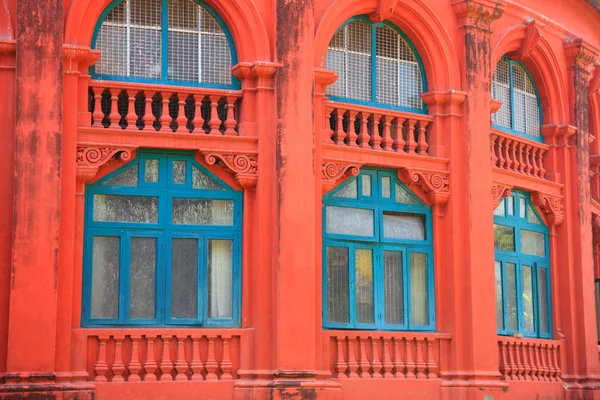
377,256
162,245
520,112
376,63
522,266
173,41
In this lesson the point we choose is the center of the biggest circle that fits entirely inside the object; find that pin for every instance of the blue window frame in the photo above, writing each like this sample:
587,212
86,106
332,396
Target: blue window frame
162,245
520,112
377,256
522,269
377,65
176,42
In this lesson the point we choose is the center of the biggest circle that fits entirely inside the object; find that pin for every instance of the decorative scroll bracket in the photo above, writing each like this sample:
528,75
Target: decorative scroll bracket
244,166
500,190
334,172
385,9
90,157
434,184
533,34
553,207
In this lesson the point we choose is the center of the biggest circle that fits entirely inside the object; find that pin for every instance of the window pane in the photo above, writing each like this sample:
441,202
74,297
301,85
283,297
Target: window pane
533,243
402,196
349,221
385,187
145,50
151,173
120,208
366,185
350,191
142,268
184,278
183,40
336,61
501,91
364,286
499,306
499,211
215,57
543,308
202,181
522,207
511,296
393,290
179,167
510,205
532,217
403,226
504,238
418,289
338,302
202,212
220,278
106,265
113,60
359,61
129,177
527,278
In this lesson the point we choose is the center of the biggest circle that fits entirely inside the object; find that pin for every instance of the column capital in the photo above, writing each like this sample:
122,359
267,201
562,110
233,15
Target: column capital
552,206
262,71
435,184
244,166
558,135
444,102
580,53
500,190
478,14
8,47
334,171
77,57
323,78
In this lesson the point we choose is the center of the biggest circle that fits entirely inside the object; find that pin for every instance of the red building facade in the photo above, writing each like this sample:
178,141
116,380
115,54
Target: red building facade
253,199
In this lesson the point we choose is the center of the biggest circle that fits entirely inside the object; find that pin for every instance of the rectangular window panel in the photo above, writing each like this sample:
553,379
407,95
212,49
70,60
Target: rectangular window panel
499,211
366,185
183,53
393,289
220,278
527,283
106,265
120,208
338,281
386,191
142,277
511,296
419,296
184,278
151,173
349,221
543,303
403,226
129,177
336,61
202,212
522,207
364,286
145,52
179,171
510,205
202,181
350,191
504,237
533,243
499,305
217,67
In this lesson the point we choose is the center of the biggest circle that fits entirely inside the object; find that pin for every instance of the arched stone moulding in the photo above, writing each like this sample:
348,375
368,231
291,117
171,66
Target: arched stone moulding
433,184
90,157
243,166
334,172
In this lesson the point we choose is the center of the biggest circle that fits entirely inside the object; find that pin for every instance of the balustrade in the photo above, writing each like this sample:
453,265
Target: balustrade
529,359
517,154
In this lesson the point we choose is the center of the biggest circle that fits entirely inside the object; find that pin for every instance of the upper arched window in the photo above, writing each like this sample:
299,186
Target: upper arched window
520,111
174,41
376,63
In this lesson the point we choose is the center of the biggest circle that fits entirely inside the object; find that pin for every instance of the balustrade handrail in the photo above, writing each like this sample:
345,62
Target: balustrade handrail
378,110
165,88
518,154
530,359
512,136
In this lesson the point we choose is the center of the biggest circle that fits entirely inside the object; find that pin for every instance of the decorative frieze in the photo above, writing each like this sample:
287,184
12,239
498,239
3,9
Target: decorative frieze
244,166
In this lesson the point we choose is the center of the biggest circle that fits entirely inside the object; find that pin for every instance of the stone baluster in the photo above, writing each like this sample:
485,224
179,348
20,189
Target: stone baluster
422,144
339,136
150,366
494,150
230,122
375,363
363,135
211,363
351,136
340,365
166,365
386,141
165,117
410,364
101,367
327,121
134,364
196,364
398,362
364,360
198,121
375,141
114,117
526,365
411,144
181,365
432,369
98,114
214,122
118,367
399,141
388,365
352,363
148,117
181,118
420,362
226,364
518,363
503,366
511,373
131,116
501,152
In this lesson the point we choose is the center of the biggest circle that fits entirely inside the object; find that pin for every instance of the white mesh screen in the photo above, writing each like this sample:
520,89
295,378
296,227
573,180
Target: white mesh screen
399,80
501,91
527,113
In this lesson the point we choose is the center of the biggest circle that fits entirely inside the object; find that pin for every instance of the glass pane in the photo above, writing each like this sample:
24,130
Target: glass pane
543,308
510,203
142,269
499,211
202,181
120,208
350,191
533,243
392,286
202,212
358,57
179,167
220,278
532,217
364,286
349,221
106,265
402,196
145,52
511,296
527,277
385,187
184,278
419,301
366,185
521,207
403,226
151,174
338,303
499,306
129,177
504,237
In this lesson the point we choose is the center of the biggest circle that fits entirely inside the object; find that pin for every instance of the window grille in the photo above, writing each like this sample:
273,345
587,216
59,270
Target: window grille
356,58
133,43
520,109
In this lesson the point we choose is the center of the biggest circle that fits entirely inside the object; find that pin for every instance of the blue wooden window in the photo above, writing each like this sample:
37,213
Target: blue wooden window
522,269
377,65
162,245
164,41
520,112
377,256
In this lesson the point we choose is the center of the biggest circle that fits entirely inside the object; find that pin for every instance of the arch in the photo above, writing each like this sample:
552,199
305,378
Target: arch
240,16
415,20
544,68
6,23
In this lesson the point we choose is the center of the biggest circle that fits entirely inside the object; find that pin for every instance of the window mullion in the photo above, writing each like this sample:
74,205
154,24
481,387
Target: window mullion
352,281
124,273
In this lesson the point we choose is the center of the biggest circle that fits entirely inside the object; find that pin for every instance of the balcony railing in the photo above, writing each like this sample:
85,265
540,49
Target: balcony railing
518,155
131,106
378,129
529,359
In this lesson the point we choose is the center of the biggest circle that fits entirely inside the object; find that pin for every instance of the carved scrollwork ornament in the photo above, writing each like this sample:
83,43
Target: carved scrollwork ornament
243,166
435,184
333,171
91,157
553,207
499,191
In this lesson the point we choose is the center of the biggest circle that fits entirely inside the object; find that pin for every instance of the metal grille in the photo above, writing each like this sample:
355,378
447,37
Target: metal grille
338,282
399,80
501,91
198,48
527,113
